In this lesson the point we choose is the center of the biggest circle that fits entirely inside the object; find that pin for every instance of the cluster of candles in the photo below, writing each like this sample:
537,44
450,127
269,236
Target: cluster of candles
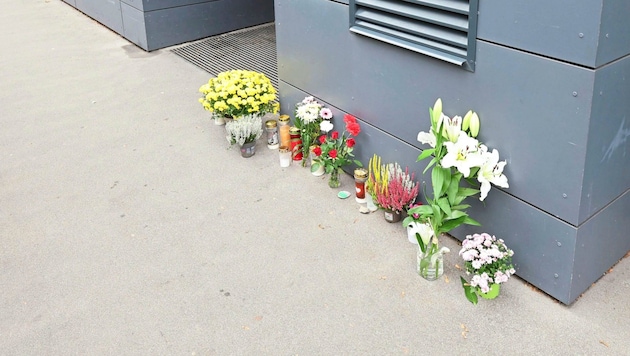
279,137
286,139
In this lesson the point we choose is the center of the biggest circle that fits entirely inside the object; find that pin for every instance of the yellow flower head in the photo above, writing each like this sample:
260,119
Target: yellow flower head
239,92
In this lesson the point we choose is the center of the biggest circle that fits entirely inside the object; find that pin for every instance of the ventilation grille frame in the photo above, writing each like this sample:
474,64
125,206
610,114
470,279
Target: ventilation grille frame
442,29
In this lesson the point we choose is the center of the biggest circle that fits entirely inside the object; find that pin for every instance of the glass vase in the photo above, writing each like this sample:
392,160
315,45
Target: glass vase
334,181
431,262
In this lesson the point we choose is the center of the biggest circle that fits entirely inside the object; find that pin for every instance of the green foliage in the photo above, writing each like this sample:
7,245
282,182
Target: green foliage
470,291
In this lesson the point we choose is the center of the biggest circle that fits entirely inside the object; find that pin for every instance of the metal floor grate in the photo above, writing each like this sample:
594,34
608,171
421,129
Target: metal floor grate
252,48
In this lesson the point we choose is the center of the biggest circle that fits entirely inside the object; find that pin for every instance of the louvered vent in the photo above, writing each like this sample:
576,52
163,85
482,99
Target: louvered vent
444,29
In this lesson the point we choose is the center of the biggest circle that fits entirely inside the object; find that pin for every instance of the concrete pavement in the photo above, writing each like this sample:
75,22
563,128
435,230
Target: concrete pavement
128,228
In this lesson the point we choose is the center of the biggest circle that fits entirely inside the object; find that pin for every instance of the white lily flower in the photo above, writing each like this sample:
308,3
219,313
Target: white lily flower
427,138
491,171
426,232
463,154
326,125
452,127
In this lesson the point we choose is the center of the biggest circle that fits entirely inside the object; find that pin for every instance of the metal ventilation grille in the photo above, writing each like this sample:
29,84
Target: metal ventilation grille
249,49
444,29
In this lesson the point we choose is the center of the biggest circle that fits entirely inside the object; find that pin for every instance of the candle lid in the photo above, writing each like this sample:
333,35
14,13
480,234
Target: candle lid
284,118
360,173
271,124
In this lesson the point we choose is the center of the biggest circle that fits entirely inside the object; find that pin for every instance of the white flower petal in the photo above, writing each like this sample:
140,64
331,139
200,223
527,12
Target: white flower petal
326,126
427,138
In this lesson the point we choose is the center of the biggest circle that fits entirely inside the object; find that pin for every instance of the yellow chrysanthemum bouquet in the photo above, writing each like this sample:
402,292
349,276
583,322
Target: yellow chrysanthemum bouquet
237,93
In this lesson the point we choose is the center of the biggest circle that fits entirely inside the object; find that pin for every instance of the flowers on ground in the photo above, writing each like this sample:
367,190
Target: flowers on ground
311,118
239,92
246,129
488,260
335,150
456,154
399,191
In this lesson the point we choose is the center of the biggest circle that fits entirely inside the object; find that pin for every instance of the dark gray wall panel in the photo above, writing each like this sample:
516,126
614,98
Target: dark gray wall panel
601,242
589,33
392,89
606,170
549,28
137,4
106,12
313,56
176,25
161,23
135,28
614,36
150,5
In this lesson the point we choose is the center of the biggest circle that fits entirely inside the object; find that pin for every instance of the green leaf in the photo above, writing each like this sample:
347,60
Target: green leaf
467,192
315,166
456,214
444,205
447,180
437,216
469,291
452,189
440,178
460,207
433,161
425,153
449,225
458,199
423,247
471,221
422,210
437,180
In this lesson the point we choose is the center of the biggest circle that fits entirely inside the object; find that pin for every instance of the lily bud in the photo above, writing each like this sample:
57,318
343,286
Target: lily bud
466,121
474,125
436,113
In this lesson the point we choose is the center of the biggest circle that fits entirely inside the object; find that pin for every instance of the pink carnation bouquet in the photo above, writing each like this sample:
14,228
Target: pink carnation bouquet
489,261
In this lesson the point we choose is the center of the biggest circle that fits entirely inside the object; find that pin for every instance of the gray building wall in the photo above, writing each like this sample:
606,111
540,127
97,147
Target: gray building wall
551,90
154,24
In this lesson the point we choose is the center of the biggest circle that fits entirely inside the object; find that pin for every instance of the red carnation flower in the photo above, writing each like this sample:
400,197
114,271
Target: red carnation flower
353,128
350,142
348,119
332,153
334,135
317,151
322,139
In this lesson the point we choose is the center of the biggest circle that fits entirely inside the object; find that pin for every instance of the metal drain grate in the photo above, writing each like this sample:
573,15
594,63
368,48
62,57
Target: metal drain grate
248,49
